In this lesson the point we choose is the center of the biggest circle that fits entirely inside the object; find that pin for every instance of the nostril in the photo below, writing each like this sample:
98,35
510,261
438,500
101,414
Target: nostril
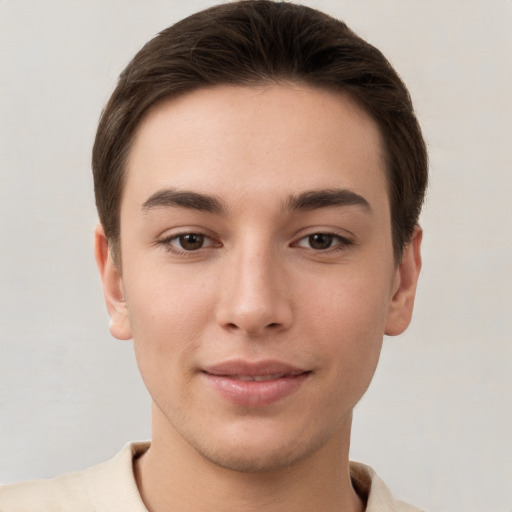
232,326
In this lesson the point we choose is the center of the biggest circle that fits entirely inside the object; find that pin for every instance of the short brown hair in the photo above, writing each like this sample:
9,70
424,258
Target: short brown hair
251,42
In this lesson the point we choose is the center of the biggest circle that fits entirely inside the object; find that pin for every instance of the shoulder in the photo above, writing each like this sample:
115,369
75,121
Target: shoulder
55,494
374,491
92,490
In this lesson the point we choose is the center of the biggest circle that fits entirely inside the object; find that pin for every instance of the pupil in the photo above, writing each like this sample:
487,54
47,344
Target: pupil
320,241
191,242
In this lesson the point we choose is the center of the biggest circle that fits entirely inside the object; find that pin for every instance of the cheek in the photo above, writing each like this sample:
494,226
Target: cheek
167,313
348,323
166,304
353,303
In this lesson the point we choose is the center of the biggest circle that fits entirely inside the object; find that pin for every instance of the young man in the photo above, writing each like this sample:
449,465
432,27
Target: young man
259,173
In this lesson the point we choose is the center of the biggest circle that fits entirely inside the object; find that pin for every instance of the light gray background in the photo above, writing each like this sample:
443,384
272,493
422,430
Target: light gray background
437,421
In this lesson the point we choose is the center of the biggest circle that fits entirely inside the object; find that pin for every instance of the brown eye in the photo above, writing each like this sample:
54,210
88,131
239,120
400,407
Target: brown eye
320,241
191,241
183,243
323,242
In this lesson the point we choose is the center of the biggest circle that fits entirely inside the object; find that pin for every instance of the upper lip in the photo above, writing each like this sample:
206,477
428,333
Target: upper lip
243,368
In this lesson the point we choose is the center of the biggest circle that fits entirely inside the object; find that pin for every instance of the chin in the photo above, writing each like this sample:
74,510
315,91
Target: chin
260,453
255,461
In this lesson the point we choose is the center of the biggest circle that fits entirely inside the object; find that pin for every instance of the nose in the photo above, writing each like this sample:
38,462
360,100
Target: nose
254,299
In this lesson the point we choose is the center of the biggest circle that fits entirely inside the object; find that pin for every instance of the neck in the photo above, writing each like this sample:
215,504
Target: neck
170,473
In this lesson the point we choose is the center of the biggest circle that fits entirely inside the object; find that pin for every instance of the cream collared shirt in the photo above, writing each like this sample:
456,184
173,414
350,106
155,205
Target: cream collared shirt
111,487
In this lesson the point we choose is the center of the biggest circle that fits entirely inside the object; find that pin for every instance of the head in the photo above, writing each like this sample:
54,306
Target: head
252,43
259,173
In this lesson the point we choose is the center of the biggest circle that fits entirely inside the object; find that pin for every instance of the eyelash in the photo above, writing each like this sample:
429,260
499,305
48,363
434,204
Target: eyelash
337,242
168,243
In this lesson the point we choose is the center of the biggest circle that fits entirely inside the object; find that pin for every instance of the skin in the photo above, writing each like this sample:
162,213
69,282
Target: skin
258,286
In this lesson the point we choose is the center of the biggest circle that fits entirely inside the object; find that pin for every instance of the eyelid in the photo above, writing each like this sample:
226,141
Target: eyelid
207,242
342,241
166,240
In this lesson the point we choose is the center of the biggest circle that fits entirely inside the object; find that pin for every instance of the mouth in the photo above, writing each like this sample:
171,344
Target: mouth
262,378
255,384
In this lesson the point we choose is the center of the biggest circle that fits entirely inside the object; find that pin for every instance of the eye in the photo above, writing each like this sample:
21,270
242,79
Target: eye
322,241
188,242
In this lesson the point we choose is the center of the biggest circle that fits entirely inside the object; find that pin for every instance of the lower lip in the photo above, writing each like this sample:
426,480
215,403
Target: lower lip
255,393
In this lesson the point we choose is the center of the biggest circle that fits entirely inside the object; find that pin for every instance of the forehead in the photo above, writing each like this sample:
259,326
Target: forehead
245,141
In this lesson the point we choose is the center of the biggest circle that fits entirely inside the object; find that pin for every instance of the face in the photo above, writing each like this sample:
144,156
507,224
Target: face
257,275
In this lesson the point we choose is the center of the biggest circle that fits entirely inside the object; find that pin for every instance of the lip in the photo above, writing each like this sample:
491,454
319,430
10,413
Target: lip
254,384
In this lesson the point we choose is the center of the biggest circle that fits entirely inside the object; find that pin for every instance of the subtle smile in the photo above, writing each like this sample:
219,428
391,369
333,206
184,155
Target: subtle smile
255,384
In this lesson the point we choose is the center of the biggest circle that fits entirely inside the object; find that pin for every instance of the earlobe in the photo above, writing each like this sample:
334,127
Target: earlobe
113,288
404,292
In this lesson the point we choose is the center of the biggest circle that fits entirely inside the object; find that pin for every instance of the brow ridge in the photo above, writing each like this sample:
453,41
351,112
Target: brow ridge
323,198
170,197
307,200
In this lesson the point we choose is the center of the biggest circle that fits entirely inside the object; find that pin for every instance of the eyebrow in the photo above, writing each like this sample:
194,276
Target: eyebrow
313,199
308,200
170,197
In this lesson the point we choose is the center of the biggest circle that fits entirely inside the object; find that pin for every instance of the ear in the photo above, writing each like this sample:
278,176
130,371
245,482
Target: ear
404,290
113,288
